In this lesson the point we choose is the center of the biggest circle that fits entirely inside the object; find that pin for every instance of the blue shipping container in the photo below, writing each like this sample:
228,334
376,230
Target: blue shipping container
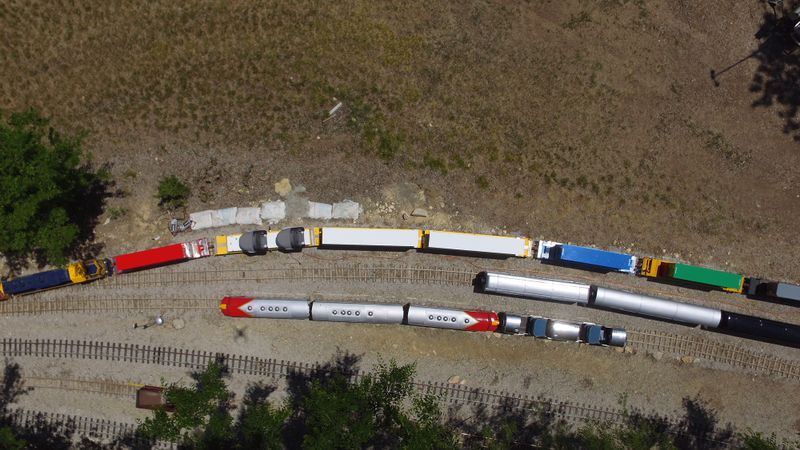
596,258
36,281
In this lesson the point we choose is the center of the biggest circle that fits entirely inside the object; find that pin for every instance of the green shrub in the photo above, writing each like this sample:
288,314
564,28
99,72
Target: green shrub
172,193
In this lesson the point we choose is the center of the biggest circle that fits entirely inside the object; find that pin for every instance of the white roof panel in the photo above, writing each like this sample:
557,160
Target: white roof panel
371,237
479,243
271,236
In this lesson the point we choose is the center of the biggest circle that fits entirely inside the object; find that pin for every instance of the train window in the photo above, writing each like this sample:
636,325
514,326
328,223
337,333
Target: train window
262,308
369,313
466,320
249,308
335,312
439,318
344,312
358,313
452,319
285,309
349,313
430,317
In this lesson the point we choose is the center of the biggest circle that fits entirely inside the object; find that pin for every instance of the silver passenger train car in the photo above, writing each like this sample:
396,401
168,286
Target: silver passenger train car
357,312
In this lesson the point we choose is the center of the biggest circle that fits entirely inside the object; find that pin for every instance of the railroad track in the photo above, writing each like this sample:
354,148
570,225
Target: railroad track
105,387
72,425
643,341
697,347
27,306
349,272
274,369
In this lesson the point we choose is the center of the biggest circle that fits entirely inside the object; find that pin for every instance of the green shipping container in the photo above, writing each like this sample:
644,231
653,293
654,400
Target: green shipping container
702,275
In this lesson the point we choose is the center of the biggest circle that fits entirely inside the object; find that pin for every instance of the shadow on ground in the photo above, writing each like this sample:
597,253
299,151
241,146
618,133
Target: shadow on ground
777,78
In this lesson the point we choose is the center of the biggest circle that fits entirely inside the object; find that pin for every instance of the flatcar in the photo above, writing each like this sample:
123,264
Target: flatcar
75,273
585,257
693,275
639,304
162,255
481,244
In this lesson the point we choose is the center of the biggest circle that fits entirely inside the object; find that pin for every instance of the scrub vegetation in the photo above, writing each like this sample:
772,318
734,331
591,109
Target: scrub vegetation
330,409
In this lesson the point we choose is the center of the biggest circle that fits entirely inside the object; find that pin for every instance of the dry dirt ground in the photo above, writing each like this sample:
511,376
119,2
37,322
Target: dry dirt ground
594,122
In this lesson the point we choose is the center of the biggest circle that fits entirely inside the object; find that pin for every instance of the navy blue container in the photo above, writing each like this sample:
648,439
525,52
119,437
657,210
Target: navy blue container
595,258
36,281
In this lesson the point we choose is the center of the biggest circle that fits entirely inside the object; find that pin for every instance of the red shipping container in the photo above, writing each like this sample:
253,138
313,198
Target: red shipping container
162,255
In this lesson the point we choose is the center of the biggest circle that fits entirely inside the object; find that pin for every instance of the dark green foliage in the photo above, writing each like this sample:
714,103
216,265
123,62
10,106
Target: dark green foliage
9,441
752,440
172,193
202,406
332,413
44,188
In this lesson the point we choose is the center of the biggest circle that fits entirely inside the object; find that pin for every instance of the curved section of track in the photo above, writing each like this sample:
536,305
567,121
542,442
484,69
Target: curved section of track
355,272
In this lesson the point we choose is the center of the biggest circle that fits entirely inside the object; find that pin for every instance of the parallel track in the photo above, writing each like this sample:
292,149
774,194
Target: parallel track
269,368
365,273
640,341
731,354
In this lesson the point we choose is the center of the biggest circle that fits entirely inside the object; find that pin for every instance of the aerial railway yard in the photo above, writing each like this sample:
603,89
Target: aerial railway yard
97,319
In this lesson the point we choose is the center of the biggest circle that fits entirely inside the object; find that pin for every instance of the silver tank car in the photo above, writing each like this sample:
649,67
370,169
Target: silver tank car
276,308
618,337
356,312
563,331
657,307
512,323
538,288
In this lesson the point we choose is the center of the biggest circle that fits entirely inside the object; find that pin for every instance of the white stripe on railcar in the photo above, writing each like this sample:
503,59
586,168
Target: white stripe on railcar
478,243
372,237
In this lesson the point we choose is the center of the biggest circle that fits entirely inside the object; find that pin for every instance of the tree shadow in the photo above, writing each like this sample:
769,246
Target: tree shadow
539,424
87,207
777,77
344,365
36,429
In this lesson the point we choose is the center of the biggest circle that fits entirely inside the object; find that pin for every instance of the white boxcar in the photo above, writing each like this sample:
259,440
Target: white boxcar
371,237
478,243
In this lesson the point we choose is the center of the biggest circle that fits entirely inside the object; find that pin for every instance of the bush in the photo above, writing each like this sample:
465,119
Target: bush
49,198
172,193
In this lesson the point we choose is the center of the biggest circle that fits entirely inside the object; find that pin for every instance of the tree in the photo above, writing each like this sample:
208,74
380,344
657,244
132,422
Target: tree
172,193
200,408
43,184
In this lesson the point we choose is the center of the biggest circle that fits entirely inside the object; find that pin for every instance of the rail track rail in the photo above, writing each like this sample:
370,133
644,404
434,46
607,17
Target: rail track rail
89,303
647,341
73,425
275,369
105,387
350,272
697,347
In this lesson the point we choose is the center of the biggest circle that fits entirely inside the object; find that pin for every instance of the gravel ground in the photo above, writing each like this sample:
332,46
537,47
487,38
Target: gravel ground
562,371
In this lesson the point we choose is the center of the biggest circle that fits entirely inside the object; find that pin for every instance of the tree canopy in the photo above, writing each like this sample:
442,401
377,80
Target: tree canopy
44,185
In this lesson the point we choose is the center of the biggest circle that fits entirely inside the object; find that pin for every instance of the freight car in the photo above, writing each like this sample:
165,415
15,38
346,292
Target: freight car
162,255
757,287
422,316
75,273
481,244
639,304
697,276
585,257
